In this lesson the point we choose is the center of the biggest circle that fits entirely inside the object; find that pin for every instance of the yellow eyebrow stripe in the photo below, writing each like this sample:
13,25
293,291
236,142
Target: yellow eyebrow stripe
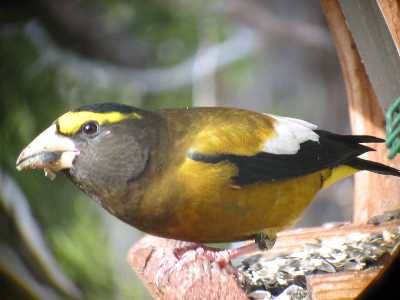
71,122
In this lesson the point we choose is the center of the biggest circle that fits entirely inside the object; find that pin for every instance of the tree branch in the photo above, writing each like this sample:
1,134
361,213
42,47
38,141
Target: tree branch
240,45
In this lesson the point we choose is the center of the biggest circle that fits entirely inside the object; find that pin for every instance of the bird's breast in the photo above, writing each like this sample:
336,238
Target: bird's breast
199,203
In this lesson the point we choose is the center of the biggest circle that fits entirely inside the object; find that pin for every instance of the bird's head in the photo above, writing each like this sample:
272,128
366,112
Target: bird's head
101,147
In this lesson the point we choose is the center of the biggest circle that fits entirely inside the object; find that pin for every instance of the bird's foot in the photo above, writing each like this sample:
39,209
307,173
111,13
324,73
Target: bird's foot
186,256
190,254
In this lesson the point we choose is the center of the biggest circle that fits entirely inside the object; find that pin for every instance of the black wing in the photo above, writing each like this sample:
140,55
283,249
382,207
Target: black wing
330,151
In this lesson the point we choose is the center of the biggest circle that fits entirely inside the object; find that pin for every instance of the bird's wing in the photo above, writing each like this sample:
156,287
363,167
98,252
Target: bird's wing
291,148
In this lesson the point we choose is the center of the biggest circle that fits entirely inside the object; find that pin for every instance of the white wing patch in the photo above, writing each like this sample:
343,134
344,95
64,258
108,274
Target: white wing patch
290,133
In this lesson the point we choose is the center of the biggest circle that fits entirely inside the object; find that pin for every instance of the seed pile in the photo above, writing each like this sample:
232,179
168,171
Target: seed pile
284,277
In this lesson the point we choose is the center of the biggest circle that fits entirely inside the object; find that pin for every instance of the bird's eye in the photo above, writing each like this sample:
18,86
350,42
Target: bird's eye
90,128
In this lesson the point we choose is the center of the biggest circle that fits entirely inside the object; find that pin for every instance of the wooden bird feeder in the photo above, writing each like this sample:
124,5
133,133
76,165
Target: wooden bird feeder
373,194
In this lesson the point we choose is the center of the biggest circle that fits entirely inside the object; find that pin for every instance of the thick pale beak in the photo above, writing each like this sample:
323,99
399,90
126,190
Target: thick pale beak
49,151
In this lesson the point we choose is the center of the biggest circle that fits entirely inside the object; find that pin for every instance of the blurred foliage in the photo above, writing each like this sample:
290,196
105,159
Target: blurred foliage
31,101
168,27
85,257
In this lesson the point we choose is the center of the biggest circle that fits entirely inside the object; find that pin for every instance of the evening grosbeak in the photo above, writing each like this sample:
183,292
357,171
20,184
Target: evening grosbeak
205,175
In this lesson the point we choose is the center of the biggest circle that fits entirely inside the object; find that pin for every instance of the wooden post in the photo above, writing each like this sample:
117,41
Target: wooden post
391,12
373,194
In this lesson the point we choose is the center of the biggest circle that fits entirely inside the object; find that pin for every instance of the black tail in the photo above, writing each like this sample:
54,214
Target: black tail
355,149
353,139
363,164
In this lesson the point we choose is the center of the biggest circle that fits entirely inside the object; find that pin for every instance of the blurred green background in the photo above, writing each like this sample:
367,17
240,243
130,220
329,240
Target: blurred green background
273,56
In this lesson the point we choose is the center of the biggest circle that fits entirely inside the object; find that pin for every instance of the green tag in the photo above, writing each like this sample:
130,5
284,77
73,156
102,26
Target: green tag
393,128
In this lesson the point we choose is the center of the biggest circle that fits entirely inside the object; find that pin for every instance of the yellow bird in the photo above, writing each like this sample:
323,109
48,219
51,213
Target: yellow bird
198,174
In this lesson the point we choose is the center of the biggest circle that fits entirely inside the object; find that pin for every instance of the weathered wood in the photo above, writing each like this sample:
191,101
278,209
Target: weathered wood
385,282
374,41
391,12
154,261
199,279
343,286
366,117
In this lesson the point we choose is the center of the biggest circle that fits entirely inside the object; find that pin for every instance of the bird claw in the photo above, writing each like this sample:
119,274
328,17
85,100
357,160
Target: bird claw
187,255
220,257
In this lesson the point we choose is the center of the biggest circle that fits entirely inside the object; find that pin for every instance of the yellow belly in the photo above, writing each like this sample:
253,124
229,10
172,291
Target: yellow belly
208,208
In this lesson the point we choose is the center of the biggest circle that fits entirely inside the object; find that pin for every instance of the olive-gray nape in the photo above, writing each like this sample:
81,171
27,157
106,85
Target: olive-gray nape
107,107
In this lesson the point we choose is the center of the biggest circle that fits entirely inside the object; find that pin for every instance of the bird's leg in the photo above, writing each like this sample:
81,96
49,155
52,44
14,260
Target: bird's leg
262,241
221,257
